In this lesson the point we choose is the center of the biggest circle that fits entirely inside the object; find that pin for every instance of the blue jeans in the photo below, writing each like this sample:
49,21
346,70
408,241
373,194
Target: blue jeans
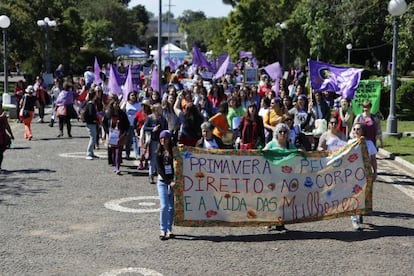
166,205
132,143
153,158
92,139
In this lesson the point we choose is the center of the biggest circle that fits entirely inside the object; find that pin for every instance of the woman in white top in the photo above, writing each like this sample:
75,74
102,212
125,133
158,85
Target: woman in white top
132,106
332,139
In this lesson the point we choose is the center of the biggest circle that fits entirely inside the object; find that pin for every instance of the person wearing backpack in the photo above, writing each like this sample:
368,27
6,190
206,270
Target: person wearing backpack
91,119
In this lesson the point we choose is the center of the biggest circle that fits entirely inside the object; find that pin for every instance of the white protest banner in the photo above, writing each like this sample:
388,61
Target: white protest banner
250,188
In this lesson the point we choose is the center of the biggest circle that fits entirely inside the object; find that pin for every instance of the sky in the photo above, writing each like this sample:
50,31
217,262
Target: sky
211,8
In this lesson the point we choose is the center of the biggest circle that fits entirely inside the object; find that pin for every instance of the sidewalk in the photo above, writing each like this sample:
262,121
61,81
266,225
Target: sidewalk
404,163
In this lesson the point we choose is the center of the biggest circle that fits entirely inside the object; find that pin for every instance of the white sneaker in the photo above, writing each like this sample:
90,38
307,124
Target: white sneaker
89,158
355,222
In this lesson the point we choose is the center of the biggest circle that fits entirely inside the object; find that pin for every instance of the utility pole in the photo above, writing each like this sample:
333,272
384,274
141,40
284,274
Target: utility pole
168,24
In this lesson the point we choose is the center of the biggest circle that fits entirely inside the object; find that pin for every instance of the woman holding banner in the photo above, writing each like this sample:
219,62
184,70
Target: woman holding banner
280,141
360,130
165,184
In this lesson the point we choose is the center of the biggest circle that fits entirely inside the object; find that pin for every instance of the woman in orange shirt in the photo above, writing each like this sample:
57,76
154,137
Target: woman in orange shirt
221,125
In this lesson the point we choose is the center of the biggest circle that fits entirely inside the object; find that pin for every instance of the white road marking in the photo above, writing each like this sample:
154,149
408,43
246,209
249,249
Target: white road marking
141,270
115,204
82,155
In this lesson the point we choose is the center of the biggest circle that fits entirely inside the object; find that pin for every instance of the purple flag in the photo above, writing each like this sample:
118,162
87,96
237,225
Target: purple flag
97,72
221,58
154,79
114,88
120,78
223,68
172,64
243,54
274,70
128,85
341,80
213,63
254,62
199,59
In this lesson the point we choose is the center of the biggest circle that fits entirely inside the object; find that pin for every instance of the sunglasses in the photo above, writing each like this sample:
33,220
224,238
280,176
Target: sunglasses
334,123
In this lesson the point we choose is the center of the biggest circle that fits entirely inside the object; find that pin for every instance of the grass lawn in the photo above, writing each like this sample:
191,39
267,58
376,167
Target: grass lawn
403,147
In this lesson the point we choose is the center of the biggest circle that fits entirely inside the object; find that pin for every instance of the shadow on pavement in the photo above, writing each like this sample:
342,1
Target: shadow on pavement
19,148
7,172
370,231
61,138
19,186
391,215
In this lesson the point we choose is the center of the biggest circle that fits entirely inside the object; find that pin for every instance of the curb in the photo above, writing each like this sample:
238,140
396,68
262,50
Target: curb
399,160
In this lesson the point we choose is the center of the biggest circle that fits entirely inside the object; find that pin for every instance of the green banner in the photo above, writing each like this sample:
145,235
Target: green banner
367,90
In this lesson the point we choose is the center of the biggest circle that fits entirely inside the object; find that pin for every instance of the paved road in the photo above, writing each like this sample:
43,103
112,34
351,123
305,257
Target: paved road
56,219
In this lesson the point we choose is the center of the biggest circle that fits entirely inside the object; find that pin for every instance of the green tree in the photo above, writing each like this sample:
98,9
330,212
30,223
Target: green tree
203,32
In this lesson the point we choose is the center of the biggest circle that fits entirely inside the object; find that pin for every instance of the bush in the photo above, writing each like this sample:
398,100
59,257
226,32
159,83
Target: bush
405,96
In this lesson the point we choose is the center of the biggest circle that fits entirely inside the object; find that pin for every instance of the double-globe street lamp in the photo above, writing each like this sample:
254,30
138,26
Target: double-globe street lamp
46,24
395,8
4,24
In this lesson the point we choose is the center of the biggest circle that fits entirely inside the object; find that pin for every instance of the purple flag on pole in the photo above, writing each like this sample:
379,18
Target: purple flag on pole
172,64
223,69
221,58
128,85
341,80
274,70
114,88
199,59
97,70
154,79
243,54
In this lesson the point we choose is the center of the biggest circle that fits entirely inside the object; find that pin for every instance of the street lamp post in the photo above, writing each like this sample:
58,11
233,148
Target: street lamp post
159,46
46,24
349,48
4,24
283,26
395,8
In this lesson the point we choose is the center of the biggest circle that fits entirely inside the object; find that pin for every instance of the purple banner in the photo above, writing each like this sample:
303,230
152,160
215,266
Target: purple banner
341,80
243,54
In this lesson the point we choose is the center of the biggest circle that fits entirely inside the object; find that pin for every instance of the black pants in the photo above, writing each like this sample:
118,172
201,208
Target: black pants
62,121
41,111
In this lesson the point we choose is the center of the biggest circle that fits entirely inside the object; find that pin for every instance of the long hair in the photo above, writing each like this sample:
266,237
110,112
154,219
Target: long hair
111,109
161,148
